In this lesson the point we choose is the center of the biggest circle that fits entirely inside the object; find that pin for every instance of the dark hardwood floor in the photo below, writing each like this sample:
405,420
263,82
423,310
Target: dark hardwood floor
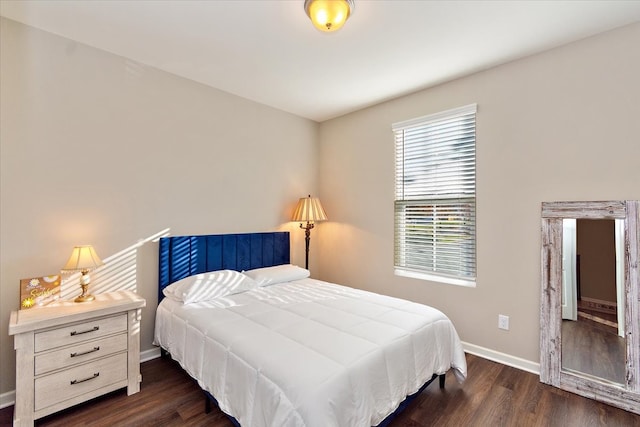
493,395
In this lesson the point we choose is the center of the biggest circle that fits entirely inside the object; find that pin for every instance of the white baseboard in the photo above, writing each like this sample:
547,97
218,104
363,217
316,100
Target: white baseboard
505,359
599,301
7,399
150,354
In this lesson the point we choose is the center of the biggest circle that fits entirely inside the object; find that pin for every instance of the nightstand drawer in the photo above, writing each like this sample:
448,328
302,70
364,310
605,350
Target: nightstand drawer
72,355
80,332
64,385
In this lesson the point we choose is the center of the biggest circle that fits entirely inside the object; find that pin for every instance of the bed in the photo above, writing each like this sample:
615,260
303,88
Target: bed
273,347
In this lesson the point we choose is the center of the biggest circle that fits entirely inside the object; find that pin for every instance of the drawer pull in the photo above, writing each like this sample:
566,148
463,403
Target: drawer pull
95,375
76,354
95,328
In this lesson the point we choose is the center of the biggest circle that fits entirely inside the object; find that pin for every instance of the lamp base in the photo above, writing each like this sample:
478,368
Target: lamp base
84,298
84,284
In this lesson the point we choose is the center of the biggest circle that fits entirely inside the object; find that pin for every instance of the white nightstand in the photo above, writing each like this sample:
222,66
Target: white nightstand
67,353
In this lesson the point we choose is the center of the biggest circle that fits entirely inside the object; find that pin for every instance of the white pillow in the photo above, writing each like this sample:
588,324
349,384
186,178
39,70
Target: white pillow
277,274
208,286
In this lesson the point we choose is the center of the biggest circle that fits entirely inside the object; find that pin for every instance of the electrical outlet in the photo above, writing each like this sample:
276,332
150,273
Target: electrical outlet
503,322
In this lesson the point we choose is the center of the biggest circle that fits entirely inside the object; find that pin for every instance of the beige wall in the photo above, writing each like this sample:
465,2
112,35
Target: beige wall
101,150
561,125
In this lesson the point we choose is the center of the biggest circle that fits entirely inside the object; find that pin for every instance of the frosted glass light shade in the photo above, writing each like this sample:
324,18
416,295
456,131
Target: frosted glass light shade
329,15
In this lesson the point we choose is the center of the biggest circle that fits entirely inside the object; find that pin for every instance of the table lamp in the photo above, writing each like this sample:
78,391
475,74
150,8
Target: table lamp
83,259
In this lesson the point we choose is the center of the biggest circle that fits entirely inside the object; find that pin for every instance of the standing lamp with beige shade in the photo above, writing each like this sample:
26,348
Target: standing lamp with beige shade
83,259
308,210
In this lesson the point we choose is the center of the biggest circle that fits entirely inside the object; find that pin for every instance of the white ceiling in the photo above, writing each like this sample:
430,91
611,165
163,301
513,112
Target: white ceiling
268,51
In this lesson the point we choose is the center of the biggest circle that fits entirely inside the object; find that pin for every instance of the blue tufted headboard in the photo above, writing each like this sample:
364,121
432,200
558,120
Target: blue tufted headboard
183,256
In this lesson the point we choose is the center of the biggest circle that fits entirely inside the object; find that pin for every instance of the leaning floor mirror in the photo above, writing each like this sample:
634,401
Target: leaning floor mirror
589,308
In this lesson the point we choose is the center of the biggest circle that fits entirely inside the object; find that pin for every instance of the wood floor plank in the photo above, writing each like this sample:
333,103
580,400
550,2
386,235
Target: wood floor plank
494,395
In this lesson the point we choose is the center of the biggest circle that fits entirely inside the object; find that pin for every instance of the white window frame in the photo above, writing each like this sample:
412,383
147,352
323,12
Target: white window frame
433,175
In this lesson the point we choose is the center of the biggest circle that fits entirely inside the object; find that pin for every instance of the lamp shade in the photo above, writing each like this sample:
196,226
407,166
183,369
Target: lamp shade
309,209
83,258
328,15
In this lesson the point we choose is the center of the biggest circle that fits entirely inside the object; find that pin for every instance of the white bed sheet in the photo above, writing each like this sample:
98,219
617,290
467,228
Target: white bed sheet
309,353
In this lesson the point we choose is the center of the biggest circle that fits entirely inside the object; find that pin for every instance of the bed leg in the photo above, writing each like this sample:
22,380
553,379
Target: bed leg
442,377
207,403
164,354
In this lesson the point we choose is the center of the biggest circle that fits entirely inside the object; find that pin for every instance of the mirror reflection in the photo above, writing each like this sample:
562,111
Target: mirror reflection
593,342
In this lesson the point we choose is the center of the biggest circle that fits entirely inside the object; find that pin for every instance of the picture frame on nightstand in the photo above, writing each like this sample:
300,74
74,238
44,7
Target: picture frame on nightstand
39,291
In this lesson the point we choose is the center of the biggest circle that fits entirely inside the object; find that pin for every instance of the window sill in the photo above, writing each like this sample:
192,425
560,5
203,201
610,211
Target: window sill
434,278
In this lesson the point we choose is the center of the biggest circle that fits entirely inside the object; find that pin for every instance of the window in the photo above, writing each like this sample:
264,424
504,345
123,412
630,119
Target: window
435,197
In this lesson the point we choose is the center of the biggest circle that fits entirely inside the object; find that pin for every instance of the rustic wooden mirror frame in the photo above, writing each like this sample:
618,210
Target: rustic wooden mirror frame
627,395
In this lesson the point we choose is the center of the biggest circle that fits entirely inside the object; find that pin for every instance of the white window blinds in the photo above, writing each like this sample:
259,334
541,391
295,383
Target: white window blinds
435,202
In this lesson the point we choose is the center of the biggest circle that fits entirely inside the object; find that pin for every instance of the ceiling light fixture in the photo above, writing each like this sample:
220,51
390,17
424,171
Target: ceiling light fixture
329,15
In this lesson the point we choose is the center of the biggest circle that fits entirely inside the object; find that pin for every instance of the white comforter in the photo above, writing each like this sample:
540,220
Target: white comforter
309,353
